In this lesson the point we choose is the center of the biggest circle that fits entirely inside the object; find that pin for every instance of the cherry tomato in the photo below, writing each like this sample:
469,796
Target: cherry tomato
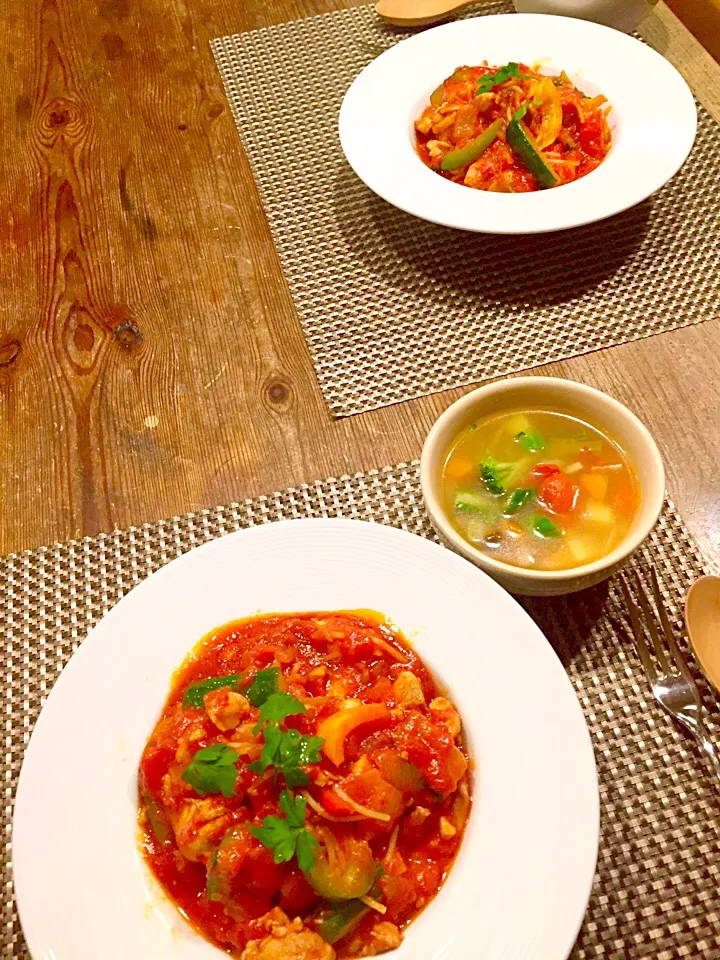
297,895
591,136
542,470
261,871
558,493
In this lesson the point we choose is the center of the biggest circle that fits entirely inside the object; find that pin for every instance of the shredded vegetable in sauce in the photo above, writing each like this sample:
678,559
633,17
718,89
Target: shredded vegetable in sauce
305,791
510,129
539,489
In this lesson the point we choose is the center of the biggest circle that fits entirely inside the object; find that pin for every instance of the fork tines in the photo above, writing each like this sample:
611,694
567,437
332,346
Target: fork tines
645,624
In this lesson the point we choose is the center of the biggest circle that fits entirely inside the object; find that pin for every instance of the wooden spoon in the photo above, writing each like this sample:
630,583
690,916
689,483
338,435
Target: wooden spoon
416,13
702,618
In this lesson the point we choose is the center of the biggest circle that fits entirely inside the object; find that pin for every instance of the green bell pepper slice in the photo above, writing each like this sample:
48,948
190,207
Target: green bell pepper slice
519,498
544,527
339,920
471,151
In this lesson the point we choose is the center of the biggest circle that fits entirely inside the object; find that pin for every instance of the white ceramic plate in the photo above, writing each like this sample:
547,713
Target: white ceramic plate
524,872
653,121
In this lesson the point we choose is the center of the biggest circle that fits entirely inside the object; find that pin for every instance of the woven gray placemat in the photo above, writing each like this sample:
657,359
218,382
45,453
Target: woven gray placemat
655,892
393,307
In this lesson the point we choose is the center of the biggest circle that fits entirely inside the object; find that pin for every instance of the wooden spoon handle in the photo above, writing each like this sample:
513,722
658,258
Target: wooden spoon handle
416,13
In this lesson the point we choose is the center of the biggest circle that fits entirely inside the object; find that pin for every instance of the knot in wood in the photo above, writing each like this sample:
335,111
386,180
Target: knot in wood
278,391
127,334
9,352
58,118
62,116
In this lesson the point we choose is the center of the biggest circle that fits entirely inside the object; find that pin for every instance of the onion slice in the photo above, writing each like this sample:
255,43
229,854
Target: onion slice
391,846
373,904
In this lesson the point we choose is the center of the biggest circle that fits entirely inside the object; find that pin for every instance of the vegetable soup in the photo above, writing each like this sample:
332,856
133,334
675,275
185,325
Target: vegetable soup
539,489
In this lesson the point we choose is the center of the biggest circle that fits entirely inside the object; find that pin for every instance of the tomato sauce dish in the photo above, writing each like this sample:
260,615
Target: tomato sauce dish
305,768
517,123
307,740
510,129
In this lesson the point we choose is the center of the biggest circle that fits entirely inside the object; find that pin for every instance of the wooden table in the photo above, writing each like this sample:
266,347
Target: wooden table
151,361
702,17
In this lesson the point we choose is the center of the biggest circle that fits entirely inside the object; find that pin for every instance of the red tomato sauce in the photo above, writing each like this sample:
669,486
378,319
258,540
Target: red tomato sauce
386,797
565,134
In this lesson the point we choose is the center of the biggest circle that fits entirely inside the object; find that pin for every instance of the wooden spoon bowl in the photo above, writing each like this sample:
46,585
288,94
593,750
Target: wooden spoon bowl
417,13
702,618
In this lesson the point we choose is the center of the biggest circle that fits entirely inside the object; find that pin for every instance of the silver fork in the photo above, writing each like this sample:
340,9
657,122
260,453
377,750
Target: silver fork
671,681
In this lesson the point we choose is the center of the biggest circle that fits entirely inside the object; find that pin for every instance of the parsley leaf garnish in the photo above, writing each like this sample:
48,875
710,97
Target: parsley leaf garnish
195,693
309,750
305,848
212,770
272,735
278,836
265,684
293,807
490,80
288,837
277,707
287,751
523,109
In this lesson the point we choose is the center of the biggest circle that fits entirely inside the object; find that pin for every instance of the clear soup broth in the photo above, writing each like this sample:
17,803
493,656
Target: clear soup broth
539,489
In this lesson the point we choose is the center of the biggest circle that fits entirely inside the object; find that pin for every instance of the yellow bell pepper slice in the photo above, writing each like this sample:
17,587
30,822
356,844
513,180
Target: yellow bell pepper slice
547,95
335,728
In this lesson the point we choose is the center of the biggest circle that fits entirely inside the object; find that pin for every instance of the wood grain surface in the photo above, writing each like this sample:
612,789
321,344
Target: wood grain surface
151,361
701,17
